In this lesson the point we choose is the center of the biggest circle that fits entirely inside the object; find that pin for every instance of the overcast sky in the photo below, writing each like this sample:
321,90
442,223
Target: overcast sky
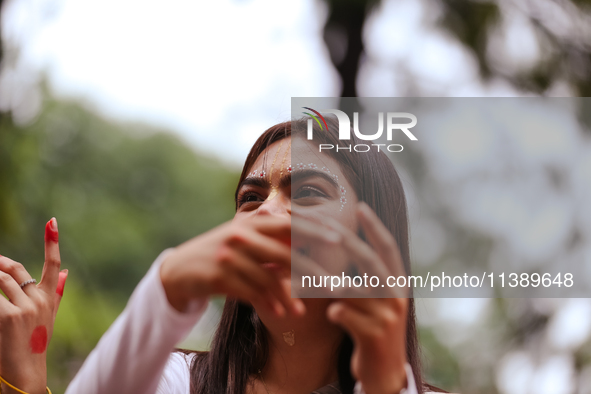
220,72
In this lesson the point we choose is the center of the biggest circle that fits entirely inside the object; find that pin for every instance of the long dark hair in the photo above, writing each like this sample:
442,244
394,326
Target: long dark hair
239,348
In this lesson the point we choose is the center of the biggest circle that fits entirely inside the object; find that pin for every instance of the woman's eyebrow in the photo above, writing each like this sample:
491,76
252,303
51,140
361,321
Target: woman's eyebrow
261,182
285,181
299,175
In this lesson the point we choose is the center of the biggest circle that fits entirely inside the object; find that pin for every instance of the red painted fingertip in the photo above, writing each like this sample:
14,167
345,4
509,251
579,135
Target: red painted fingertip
51,233
39,340
61,283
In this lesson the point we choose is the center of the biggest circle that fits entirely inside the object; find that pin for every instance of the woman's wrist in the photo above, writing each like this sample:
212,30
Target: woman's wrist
36,385
8,390
401,383
176,299
404,379
174,294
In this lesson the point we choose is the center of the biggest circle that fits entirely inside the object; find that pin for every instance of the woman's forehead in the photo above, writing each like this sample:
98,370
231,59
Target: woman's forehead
276,154
284,153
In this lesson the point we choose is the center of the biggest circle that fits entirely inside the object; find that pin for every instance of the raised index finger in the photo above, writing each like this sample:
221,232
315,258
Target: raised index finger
51,268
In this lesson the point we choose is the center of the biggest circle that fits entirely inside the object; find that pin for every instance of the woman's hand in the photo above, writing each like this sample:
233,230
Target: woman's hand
27,317
229,260
376,325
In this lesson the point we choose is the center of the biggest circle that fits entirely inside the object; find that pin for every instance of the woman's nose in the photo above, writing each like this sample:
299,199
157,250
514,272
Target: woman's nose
275,204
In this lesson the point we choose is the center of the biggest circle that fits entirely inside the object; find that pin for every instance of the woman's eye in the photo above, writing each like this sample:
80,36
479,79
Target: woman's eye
249,197
308,192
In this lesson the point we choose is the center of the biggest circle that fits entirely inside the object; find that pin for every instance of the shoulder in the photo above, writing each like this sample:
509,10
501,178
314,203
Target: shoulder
176,378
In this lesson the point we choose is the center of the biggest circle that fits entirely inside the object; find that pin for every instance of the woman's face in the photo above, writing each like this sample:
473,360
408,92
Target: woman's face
290,178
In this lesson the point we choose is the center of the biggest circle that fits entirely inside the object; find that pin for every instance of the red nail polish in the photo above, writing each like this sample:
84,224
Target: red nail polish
39,339
51,233
61,283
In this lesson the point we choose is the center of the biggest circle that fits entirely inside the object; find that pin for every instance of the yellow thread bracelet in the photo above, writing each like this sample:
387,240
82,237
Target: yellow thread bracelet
15,389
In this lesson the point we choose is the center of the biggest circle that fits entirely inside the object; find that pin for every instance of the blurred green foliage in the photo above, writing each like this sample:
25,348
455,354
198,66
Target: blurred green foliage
121,193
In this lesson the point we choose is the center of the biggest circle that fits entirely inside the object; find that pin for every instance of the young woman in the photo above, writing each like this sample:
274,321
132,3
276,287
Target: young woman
267,341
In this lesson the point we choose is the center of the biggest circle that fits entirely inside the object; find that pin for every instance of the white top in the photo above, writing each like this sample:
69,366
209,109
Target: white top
134,355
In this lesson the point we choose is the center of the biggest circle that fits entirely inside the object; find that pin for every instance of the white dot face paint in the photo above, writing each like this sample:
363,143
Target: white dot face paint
300,167
341,188
257,174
